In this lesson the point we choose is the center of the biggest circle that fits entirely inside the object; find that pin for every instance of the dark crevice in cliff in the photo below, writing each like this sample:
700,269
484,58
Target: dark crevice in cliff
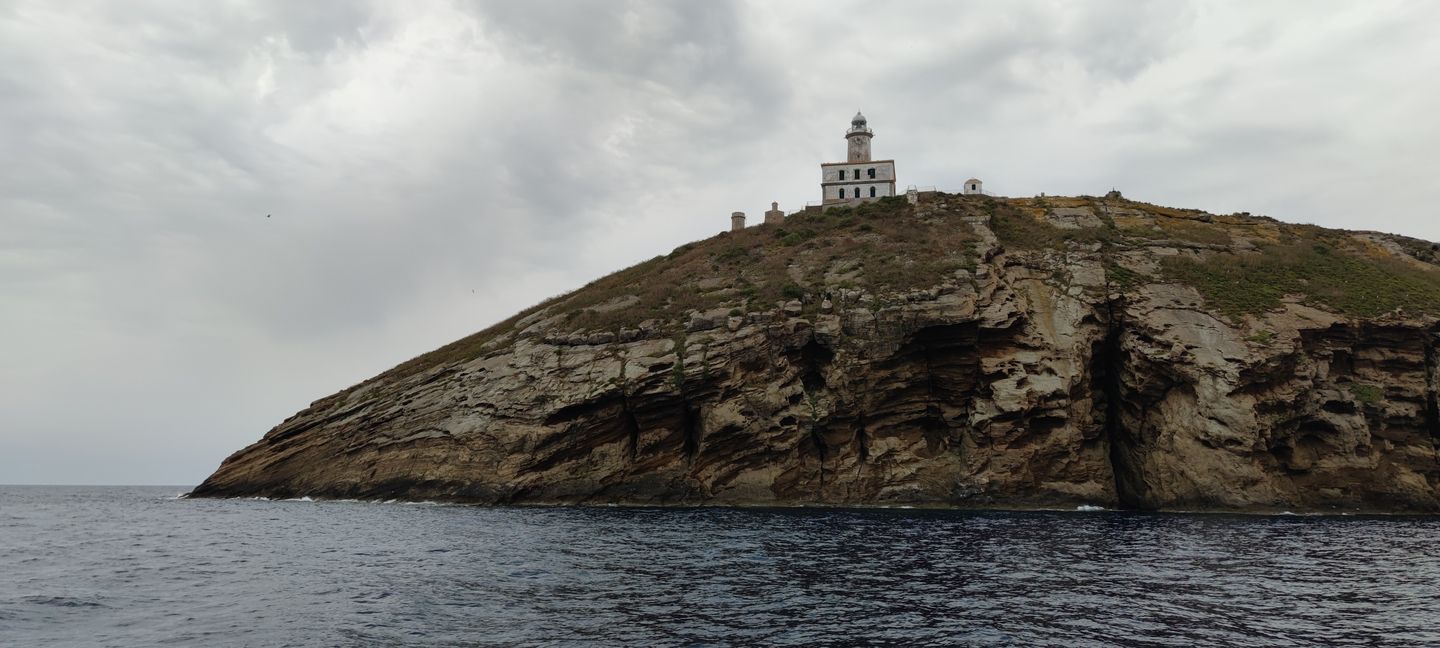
814,358
691,428
817,438
812,361
631,426
578,428
862,441
949,359
1107,373
1432,402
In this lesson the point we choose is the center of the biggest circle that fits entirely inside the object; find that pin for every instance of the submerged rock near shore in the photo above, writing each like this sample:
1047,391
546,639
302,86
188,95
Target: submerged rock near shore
967,351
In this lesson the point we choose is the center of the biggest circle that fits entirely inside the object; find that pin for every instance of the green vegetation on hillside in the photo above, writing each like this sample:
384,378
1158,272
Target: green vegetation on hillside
1023,224
1322,273
878,246
1023,231
1326,268
1240,264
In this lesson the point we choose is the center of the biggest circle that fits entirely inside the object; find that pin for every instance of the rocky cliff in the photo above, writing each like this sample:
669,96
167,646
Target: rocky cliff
966,351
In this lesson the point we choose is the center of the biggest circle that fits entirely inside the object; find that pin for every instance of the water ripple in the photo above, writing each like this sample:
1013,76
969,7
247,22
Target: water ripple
125,567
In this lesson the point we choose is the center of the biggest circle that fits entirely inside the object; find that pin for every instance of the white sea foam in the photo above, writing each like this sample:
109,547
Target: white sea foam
1089,507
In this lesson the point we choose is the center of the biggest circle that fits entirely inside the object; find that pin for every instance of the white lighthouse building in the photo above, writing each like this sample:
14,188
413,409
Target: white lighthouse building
858,179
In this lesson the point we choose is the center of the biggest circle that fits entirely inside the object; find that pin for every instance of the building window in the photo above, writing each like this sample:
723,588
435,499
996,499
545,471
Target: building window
857,192
872,191
872,172
842,174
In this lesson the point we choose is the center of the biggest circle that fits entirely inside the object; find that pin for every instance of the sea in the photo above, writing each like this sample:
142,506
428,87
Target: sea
140,566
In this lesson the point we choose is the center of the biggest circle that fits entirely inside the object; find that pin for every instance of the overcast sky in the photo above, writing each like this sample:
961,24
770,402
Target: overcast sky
213,213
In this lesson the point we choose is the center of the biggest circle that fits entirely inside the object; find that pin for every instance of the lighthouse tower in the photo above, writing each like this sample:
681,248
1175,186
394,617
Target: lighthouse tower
858,179
859,137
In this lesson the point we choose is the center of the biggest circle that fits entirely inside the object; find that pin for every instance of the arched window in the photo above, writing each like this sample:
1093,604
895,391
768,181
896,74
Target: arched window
857,192
872,192
842,174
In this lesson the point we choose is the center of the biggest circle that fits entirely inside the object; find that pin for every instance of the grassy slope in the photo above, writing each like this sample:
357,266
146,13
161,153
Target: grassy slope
889,247
1329,269
1333,274
878,246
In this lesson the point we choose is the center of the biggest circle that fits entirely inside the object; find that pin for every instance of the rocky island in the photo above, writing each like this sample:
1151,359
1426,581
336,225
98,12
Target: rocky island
964,350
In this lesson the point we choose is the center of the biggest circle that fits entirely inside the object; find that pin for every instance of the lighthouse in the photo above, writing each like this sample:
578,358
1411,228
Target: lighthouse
859,137
858,179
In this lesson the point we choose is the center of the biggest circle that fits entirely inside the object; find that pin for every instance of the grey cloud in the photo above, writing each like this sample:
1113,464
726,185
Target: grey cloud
989,64
411,153
698,53
677,44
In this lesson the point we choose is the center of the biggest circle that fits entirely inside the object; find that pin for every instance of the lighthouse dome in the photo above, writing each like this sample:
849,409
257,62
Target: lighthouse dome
859,119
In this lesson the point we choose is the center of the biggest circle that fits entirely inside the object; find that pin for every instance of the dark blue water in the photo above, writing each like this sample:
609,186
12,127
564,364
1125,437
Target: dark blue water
135,567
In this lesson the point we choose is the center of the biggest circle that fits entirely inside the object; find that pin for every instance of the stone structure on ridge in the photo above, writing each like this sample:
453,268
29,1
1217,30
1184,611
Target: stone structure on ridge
858,179
737,221
774,216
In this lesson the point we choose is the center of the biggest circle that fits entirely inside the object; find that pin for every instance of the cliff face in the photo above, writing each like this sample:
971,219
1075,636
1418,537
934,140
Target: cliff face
968,351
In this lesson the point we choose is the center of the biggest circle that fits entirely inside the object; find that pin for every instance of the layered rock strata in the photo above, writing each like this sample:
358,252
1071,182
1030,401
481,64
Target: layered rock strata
1032,379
